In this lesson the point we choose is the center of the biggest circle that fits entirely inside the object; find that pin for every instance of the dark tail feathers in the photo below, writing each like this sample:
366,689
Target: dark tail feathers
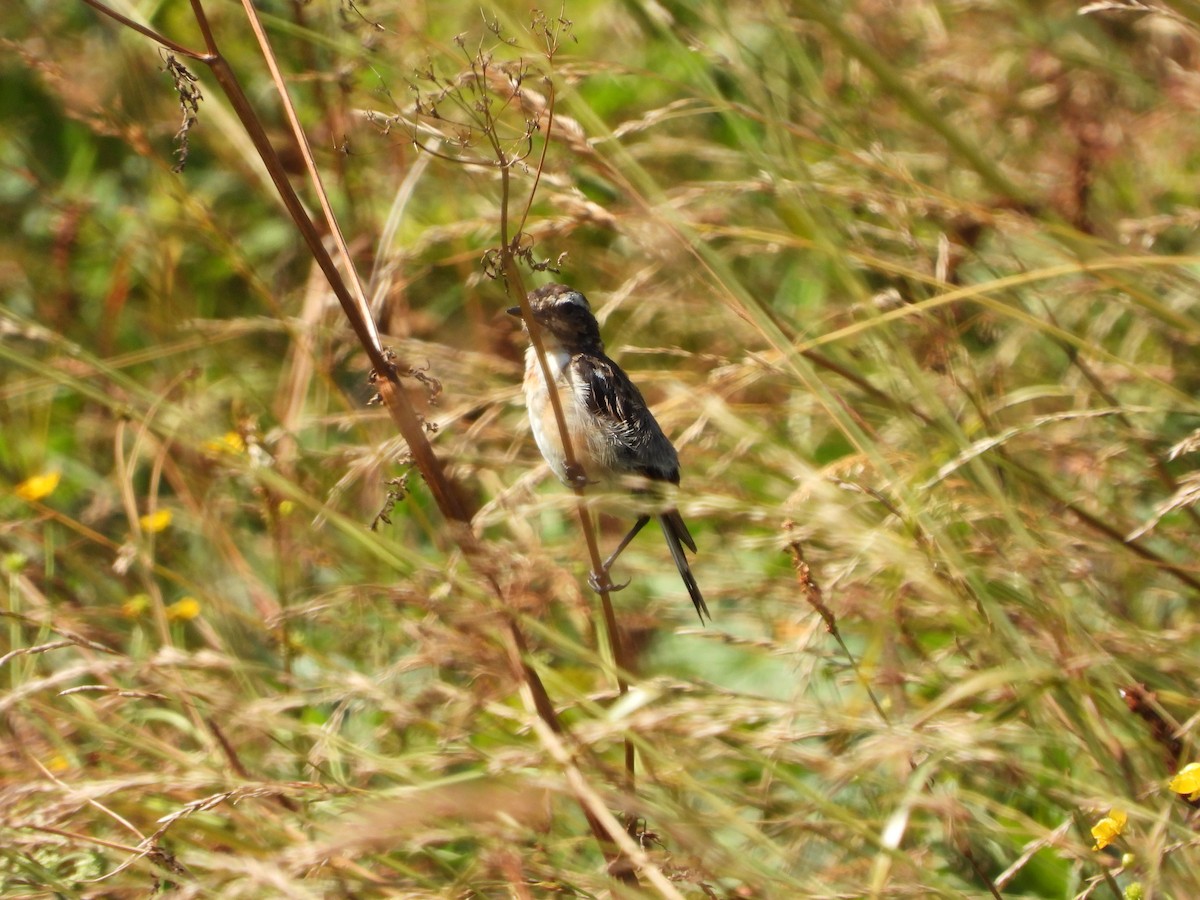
678,536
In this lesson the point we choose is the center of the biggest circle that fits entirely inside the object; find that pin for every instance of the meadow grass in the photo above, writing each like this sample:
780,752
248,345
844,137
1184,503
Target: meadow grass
912,286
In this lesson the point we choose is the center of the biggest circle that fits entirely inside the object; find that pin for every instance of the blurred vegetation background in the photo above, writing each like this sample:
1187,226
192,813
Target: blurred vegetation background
911,284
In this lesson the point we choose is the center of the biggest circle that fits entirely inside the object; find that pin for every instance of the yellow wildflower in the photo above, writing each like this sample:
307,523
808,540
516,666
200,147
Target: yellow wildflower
153,523
135,606
1109,828
38,486
230,442
1187,781
183,610
58,763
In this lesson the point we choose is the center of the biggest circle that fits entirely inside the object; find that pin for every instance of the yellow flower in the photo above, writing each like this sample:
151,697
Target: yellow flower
1187,781
58,763
230,442
135,606
286,507
38,486
1109,828
153,523
183,610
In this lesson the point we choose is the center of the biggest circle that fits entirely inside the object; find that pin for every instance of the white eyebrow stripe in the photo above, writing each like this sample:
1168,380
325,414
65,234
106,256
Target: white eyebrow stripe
572,297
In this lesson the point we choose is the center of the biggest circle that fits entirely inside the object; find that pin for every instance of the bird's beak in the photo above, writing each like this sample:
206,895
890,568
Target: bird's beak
514,311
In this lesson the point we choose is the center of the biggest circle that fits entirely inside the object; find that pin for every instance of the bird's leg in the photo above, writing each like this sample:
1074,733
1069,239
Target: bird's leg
599,580
633,532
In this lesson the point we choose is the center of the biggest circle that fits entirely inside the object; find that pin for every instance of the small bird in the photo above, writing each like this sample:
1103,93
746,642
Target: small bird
613,433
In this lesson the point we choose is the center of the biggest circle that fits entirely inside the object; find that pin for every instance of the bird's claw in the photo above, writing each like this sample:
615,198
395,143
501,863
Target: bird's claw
600,587
576,476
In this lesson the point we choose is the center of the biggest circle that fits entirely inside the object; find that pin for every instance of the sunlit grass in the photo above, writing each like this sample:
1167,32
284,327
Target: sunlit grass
913,290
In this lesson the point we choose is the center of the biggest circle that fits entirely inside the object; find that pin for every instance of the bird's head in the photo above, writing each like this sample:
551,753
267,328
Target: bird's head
564,313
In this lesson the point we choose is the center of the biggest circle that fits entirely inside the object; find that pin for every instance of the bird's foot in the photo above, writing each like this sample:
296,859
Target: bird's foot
600,583
576,476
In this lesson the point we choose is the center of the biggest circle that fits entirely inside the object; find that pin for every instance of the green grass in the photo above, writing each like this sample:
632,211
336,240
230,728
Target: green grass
913,287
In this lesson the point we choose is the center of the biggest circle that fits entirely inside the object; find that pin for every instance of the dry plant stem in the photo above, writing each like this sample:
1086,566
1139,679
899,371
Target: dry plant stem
95,804
87,839
980,873
314,174
595,807
1035,480
813,595
279,528
1160,467
145,847
145,559
618,867
1085,832
391,392
513,278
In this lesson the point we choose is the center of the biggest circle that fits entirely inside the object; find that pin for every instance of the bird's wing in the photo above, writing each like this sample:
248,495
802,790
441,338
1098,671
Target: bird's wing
617,404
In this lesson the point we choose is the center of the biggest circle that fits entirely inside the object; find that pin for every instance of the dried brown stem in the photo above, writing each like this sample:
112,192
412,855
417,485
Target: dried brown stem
446,495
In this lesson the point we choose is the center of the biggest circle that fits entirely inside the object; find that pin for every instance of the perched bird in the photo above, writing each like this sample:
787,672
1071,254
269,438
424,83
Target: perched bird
613,434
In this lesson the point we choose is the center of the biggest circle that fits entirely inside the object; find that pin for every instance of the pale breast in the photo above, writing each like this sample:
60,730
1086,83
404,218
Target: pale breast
543,423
